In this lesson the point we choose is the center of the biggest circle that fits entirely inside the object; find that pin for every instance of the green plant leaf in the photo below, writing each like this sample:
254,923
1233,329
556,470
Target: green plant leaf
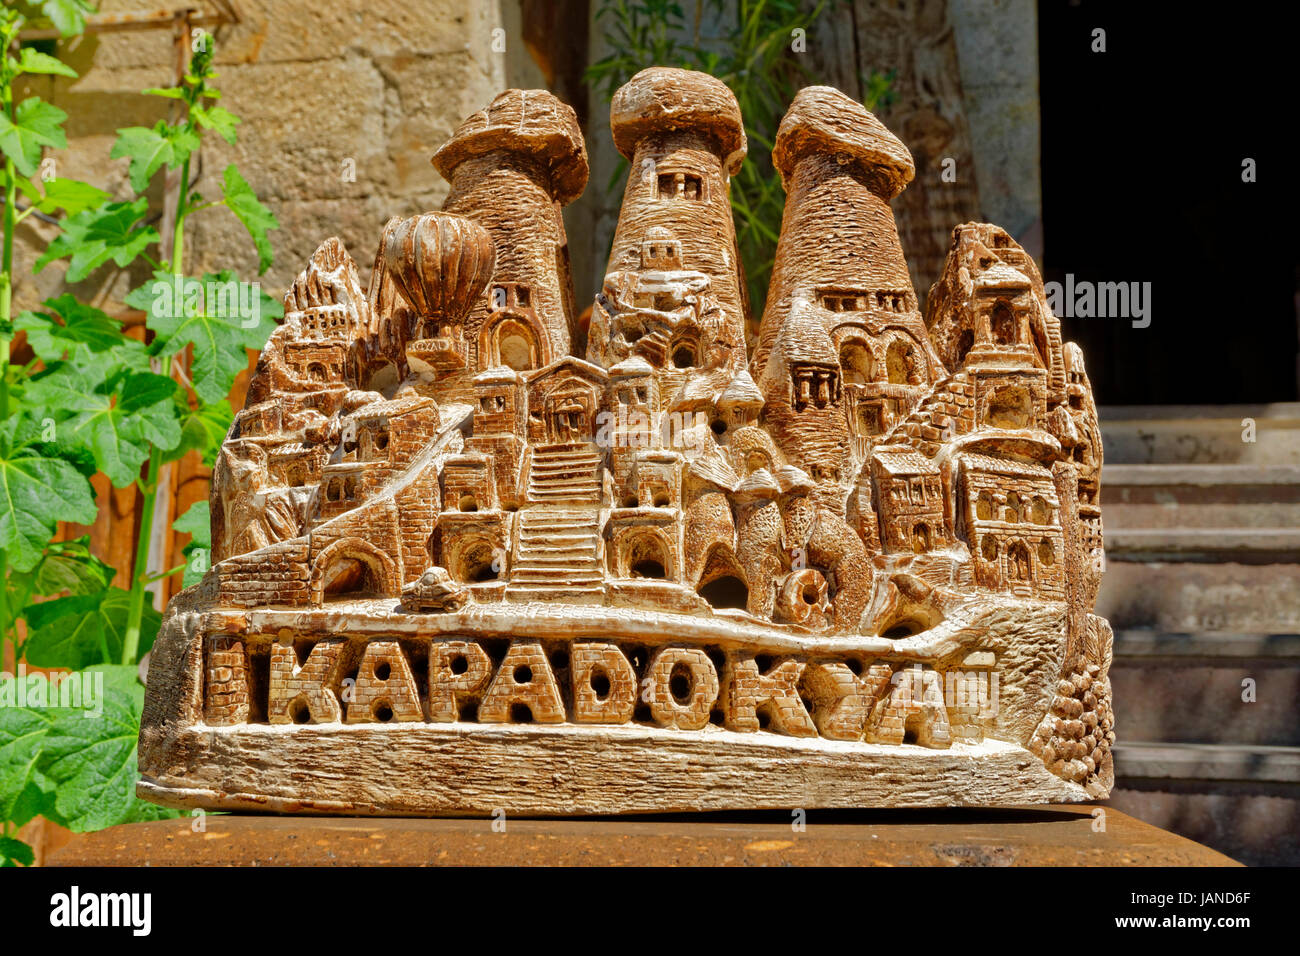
35,124
66,567
118,417
171,92
69,566
257,219
219,119
149,149
36,493
23,789
197,522
55,334
68,16
34,61
85,629
70,195
94,236
203,429
92,758
206,319
15,852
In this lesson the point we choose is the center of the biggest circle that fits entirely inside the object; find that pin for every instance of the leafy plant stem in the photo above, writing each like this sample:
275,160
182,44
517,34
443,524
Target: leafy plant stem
135,607
6,282
6,317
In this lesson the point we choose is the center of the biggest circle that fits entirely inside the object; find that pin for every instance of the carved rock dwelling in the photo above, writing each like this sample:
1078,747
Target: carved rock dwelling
470,555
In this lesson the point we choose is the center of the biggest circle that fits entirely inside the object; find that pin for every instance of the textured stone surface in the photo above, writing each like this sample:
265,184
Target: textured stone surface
380,83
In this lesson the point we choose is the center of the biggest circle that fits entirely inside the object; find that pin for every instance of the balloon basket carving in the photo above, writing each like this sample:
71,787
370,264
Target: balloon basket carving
471,556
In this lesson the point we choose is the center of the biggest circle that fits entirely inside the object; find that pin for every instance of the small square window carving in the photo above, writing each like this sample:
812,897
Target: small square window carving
681,186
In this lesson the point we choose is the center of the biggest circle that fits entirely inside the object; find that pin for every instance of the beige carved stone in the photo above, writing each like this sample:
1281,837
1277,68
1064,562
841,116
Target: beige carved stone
470,561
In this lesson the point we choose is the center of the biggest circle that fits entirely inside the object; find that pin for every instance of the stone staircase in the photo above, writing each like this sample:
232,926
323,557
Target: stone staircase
565,473
948,410
653,347
558,557
1202,587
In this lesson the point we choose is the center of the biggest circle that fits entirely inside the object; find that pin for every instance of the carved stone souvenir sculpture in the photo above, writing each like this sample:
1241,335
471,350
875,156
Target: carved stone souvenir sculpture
465,561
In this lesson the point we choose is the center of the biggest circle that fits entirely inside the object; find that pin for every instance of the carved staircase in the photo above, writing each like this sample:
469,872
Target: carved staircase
558,557
565,473
653,347
943,413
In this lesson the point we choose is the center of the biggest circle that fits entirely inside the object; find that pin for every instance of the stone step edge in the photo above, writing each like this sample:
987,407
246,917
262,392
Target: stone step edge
1238,762
1256,545
1196,475
1142,644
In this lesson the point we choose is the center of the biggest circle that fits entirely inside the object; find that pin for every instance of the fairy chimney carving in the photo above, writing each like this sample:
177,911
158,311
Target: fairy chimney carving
512,166
442,509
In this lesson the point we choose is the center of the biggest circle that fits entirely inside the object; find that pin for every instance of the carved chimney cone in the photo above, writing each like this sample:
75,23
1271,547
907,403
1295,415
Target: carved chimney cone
511,167
842,351
682,133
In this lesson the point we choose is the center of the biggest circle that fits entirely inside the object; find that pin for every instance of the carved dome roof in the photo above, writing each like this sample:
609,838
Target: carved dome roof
823,120
531,122
666,98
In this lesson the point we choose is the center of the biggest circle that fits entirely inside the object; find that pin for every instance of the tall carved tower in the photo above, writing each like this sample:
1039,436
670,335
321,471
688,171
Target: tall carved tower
682,133
842,351
512,167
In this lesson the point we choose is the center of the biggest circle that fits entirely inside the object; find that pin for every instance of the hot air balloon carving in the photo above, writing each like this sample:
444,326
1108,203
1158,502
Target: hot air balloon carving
441,262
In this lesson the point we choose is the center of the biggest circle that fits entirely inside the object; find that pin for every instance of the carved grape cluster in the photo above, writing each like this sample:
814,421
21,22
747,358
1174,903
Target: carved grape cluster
1075,737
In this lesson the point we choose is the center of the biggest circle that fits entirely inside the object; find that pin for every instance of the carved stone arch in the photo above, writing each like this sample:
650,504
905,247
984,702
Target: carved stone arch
637,552
1019,563
722,581
859,364
358,550
514,338
905,358
473,559
685,349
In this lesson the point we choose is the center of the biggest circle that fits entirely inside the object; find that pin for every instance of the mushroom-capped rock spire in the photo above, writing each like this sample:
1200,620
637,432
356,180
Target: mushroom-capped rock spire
531,122
666,98
821,119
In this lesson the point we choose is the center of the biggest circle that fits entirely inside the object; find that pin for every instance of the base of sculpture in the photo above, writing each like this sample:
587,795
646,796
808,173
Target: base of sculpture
365,708
421,771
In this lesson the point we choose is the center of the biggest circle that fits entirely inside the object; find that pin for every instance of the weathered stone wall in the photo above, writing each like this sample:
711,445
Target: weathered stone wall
370,85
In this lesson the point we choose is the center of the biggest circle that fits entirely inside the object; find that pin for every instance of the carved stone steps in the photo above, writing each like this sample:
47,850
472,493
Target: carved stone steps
565,495
562,459
1186,434
548,524
1189,688
559,548
568,466
1234,762
1202,534
557,576
568,548
585,529
570,595
565,473
567,560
